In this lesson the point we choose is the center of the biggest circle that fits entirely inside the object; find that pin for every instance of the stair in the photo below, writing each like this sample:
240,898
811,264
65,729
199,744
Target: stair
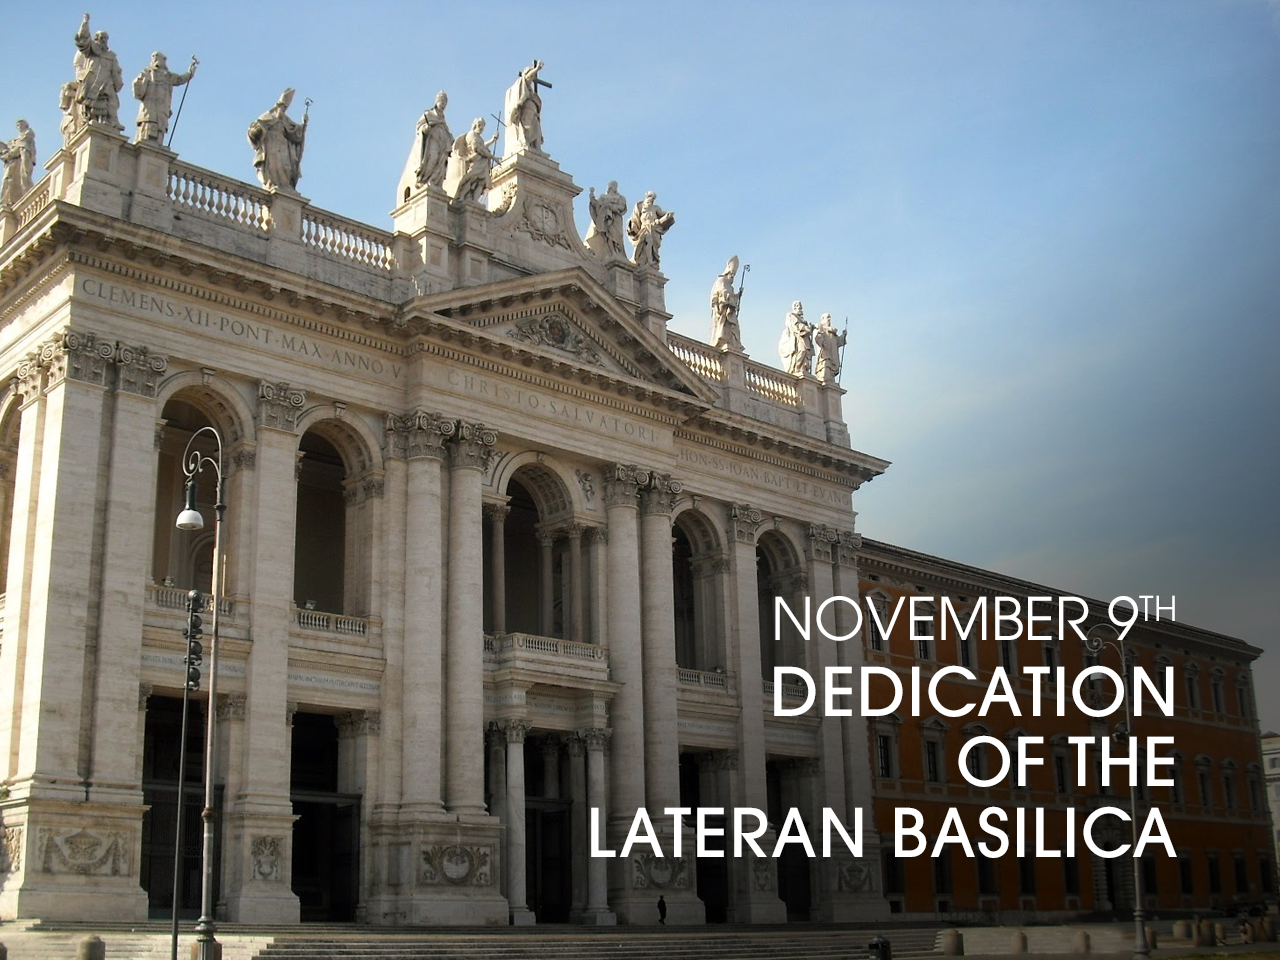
150,941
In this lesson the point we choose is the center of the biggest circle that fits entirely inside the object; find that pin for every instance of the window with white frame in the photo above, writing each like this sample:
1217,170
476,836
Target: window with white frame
922,630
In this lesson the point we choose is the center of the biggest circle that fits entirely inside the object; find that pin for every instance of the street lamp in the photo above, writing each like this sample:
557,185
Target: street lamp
1105,635
194,463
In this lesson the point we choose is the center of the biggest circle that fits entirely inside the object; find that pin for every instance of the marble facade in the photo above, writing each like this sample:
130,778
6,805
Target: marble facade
458,455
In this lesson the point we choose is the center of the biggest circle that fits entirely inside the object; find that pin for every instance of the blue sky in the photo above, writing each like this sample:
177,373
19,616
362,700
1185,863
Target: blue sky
1054,228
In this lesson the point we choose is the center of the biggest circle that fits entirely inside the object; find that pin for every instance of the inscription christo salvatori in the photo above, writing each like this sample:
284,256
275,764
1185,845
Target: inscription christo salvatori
550,407
728,466
237,328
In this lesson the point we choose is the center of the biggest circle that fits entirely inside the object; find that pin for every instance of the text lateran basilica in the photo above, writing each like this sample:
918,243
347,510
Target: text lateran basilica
499,548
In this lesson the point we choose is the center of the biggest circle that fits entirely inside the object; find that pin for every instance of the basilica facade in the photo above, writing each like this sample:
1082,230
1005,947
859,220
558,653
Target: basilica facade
495,552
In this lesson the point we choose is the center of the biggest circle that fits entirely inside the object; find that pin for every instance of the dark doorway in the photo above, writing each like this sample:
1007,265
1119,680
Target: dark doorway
548,859
326,835
160,755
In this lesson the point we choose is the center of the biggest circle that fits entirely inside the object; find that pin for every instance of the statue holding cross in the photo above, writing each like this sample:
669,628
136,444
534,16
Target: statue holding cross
523,109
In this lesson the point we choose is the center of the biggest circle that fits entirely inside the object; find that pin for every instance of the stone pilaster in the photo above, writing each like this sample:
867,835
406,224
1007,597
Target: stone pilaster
469,453
755,880
424,438
573,532
856,880
575,749
546,582
517,882
496,514
52,649
597,912
260,824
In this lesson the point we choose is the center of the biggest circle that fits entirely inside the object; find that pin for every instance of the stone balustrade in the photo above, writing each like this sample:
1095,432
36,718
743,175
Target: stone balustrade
175,598
529,651
790,692
317,621
203,193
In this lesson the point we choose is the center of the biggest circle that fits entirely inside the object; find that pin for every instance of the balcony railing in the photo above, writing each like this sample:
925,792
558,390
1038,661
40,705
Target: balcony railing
175,598
790,691
317,621
703,678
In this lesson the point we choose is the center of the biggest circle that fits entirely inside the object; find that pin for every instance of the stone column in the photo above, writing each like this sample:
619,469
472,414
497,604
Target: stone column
517,891
547,592
662,746
662,741
496,742
230,773
260,822
755,879
856,877
626,667
576,586
621,499
597,912
125,550
575,747
826,781
597,594
469,454
425,436
496,514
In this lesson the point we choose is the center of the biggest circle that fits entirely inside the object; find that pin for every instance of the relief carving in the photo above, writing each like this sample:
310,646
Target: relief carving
455,864
671,873
267,854
11,850
80,851
279,405
853,875
556,332
542,220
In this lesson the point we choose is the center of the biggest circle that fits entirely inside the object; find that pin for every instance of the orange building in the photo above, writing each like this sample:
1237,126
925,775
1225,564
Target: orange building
1215,812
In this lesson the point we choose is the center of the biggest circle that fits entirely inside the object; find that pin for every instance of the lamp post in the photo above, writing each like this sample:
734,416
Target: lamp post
194,463
1105,635
190,681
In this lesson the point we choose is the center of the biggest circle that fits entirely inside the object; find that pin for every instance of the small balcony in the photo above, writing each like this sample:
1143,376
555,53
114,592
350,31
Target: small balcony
546,655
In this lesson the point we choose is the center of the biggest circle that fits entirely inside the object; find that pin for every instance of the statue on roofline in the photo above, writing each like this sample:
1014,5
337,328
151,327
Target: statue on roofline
827,341
524,110
277,142
646,228
796,345
153,88
19,159
470,162
98,78
608,210
434,143
725,332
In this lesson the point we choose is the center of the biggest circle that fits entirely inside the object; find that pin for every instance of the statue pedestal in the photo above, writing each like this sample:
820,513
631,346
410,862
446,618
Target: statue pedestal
424,227
652,302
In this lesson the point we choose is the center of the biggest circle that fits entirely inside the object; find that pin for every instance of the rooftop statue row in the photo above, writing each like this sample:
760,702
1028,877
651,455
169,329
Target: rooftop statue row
801,339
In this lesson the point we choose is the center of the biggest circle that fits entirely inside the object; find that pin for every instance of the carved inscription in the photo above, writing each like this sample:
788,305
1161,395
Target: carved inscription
190,314
764,476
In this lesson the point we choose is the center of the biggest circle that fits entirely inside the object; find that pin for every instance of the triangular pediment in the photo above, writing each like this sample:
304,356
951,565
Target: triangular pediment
567,316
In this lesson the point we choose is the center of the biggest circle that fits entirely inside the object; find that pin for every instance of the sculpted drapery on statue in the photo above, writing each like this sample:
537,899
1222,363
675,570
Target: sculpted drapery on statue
154,89
19,158
827,341
604,236
796,345
98,78
524,110
646,228
725,333
277,142
434,143
469,163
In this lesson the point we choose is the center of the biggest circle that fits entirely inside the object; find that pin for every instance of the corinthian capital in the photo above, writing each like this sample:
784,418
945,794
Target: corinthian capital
659,495
472,445
279,405
622,483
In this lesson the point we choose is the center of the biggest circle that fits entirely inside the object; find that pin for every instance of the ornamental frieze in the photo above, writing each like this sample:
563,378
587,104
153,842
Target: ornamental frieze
267,857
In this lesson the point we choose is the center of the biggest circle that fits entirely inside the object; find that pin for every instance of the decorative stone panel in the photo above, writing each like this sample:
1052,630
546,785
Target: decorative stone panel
457,865
104,853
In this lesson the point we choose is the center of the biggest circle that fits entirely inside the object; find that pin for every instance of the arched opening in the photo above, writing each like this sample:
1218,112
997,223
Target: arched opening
319,563
779,574
698,571
180,560
540,584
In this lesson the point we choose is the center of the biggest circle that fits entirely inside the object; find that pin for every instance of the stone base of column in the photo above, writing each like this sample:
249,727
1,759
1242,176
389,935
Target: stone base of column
848,892
637,881
259,857
71,861
439,871
755,895
594,918
523,918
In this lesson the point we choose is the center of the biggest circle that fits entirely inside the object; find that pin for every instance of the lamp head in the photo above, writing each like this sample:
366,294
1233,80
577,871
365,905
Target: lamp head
190,518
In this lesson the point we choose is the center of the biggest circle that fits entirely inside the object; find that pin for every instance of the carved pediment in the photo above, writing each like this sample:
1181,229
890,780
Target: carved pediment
570,318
